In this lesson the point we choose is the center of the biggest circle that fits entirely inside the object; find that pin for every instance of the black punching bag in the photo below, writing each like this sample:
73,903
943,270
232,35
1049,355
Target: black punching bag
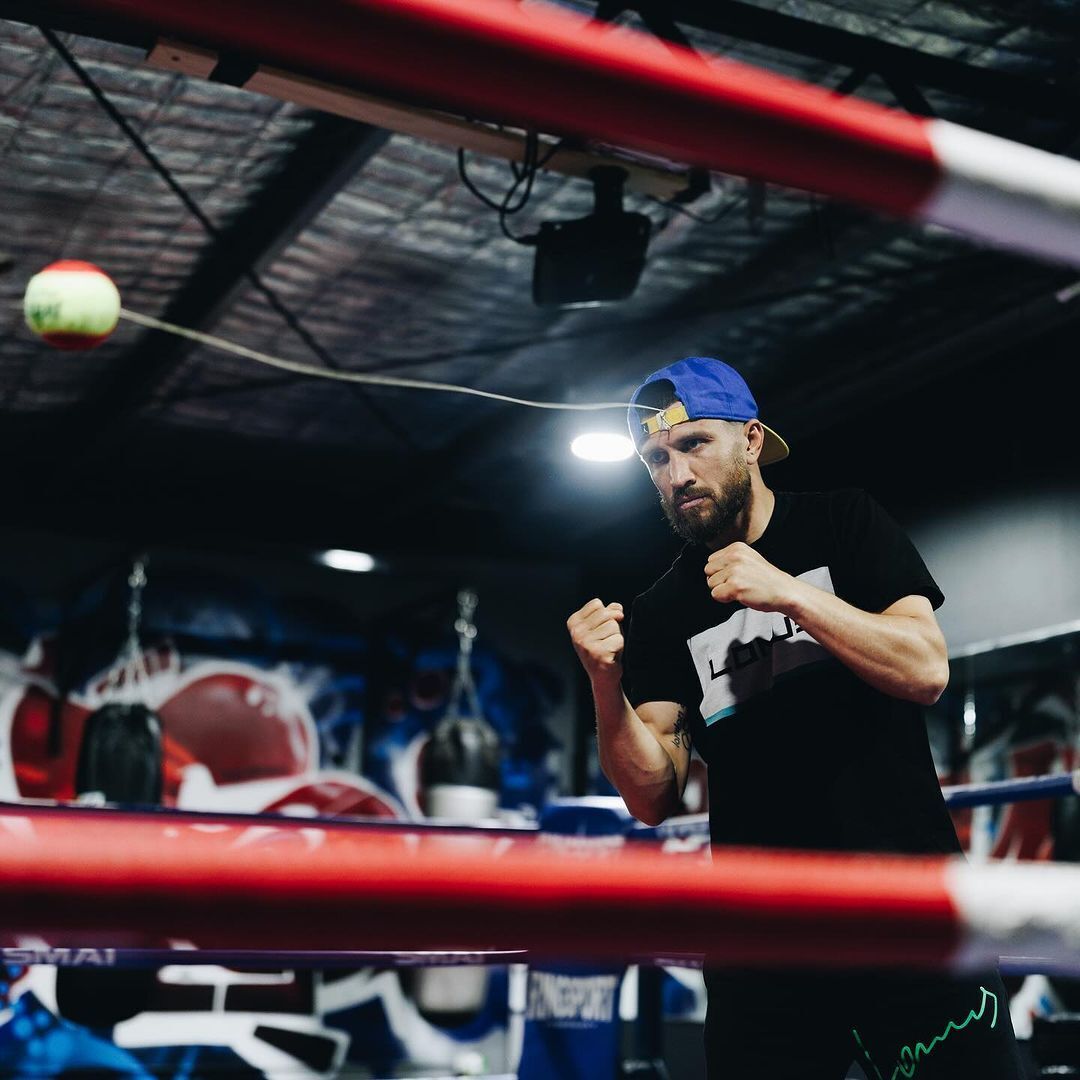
121,758
460,770
121,755
460,776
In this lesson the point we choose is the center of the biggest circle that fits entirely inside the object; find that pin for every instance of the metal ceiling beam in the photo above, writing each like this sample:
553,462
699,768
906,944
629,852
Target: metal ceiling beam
323,160
748,22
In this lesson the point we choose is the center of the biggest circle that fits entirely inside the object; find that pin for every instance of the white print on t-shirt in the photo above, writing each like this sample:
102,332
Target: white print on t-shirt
746,654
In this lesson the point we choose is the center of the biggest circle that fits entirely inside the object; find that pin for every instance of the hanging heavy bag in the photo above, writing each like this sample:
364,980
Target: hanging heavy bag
460,776
461,770
121,755
120,758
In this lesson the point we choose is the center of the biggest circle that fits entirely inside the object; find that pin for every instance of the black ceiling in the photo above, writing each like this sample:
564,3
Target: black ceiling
890,355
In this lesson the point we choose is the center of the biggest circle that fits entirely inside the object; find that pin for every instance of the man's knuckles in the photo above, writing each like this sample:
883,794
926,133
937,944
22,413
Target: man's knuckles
604,631
732,555
583,614
603,635
588,637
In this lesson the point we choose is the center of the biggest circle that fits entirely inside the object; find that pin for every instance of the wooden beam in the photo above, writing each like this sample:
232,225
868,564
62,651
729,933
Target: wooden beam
427,124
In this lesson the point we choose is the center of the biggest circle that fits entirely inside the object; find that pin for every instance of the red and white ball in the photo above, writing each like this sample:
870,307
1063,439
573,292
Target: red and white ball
72,305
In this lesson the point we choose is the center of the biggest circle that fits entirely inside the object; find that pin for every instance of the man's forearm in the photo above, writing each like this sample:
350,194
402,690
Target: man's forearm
631,756
893,653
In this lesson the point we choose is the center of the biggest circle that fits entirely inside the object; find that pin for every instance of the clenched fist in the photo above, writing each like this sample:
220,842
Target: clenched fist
598,641
738,574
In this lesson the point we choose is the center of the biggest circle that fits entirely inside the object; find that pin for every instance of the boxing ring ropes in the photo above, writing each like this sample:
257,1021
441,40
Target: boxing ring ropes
148,887
135,888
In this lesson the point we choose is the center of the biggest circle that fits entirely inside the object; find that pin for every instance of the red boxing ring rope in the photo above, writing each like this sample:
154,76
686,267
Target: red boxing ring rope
129,880
549,70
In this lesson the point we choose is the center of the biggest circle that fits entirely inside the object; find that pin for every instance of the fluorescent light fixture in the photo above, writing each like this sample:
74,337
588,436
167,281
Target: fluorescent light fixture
602,446
357,562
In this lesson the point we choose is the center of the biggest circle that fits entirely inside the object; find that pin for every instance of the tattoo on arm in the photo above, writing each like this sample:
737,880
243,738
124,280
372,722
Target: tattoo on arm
681,734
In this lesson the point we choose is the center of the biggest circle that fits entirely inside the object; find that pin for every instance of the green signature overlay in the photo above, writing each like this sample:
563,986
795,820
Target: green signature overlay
910,1058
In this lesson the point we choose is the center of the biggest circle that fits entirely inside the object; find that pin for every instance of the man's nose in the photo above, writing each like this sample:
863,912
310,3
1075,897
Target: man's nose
679,474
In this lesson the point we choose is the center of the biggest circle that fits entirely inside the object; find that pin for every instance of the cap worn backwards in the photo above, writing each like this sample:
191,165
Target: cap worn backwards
704,389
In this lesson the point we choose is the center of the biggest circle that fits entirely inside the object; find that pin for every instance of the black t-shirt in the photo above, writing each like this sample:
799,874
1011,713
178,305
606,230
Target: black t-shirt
801,752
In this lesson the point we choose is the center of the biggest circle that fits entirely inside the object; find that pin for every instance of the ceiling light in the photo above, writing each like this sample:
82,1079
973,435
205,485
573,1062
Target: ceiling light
357,562
602,446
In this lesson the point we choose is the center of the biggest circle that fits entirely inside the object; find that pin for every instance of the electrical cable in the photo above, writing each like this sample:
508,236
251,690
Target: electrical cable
678,208
486,199
527,175
525,172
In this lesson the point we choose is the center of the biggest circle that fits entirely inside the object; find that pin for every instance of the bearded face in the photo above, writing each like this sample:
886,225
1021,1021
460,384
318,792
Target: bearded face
708,510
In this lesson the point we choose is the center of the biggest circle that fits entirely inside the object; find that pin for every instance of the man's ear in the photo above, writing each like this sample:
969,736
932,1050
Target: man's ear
754,434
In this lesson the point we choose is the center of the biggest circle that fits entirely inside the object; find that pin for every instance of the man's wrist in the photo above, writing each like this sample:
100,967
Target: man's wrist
605,682
798,599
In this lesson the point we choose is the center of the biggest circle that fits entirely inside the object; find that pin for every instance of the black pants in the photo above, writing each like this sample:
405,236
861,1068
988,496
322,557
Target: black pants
799,1025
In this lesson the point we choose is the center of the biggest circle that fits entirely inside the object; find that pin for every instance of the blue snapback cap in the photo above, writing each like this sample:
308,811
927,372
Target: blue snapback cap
705,389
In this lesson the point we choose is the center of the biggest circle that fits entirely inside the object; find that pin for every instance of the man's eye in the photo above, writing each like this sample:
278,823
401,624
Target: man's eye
657,459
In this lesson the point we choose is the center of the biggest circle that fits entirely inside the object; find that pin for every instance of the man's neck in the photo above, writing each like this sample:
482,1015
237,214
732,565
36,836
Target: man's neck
762,504
754,519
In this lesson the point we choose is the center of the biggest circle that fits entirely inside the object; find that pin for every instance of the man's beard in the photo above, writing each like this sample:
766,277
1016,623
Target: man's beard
719,515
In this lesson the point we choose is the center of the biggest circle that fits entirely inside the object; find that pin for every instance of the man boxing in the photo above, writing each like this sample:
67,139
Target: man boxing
793,637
